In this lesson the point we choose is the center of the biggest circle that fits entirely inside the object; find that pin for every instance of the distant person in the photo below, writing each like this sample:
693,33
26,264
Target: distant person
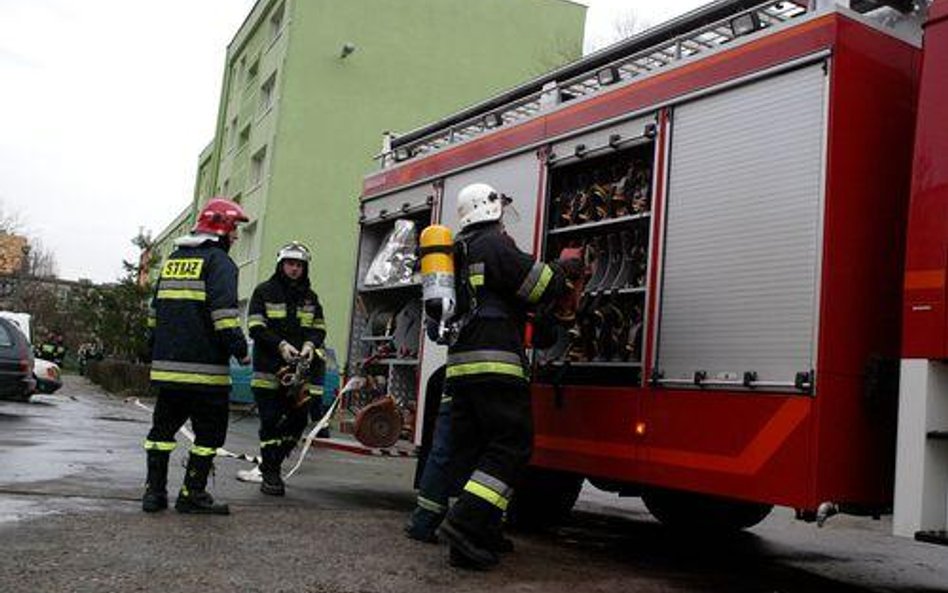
286,323
59,349
195,330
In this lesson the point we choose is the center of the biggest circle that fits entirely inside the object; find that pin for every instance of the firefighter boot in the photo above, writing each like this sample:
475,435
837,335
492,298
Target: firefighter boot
272,483
468,529
423,525
193,497
156,494
466,551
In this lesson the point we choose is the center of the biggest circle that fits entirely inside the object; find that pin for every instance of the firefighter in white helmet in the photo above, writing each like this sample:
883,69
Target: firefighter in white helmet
286,323
486,375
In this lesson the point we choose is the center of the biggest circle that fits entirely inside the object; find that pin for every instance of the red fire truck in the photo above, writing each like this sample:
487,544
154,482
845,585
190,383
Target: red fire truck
738,180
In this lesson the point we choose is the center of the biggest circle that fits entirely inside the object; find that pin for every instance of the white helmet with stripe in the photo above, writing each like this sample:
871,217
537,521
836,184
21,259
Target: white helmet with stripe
294,250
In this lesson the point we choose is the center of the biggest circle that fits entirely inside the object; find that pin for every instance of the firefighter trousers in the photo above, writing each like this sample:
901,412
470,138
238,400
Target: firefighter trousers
492,439
437,483
281,425
207,410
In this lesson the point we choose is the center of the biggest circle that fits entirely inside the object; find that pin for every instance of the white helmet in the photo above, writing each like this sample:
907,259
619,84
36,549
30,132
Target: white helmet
294,250
479,202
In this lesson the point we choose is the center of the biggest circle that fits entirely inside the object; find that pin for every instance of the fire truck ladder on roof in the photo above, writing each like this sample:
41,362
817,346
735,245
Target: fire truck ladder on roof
694,33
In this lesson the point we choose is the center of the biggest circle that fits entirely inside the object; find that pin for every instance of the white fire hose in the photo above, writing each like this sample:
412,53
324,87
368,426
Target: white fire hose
254,475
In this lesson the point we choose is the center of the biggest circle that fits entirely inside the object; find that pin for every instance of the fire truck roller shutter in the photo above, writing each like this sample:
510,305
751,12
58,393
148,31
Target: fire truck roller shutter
743,241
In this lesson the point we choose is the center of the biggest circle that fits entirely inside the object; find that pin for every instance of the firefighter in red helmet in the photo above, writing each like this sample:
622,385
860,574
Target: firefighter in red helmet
195,329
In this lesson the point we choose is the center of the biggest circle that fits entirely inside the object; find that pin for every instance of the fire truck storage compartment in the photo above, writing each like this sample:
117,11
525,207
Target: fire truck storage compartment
386,330
741,254
599,203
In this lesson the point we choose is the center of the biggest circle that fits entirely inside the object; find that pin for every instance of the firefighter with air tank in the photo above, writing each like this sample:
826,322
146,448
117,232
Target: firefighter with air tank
490,430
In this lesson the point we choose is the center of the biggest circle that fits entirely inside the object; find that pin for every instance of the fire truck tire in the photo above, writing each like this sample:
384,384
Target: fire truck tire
687,510
543,498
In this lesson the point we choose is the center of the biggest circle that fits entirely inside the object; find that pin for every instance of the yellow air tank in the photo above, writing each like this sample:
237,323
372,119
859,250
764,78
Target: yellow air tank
437,274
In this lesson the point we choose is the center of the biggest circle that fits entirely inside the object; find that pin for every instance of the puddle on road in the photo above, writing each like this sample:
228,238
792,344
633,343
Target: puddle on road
13,510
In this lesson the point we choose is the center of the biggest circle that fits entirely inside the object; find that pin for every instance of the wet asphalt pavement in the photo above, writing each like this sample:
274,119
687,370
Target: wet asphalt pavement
71,468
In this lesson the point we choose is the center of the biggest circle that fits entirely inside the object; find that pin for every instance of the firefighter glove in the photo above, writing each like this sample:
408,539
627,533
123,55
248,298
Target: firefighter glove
288,351
573,268
307,352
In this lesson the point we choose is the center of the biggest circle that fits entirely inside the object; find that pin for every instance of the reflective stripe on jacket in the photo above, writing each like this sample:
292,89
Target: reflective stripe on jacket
277,313
505,283
195,320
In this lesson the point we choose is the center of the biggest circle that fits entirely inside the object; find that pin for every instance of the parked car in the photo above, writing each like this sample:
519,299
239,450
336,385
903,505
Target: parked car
16,363
48,376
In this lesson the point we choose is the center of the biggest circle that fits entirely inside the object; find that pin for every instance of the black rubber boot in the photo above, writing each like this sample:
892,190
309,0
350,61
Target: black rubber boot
423,525
466,551
497,542
272,458
156,494
193,497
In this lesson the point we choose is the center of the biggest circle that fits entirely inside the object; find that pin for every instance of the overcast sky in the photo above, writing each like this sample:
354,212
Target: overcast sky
106,105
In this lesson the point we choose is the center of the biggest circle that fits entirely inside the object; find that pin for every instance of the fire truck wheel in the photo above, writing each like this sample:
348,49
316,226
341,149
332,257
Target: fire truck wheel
543,498
687,510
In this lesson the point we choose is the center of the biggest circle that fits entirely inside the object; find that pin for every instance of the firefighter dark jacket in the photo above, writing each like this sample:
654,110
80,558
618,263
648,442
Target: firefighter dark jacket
194,318
282,309
505,283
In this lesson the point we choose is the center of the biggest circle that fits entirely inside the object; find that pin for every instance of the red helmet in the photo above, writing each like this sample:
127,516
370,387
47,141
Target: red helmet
219,217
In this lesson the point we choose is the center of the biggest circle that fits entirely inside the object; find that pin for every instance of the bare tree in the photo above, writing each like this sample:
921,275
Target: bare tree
625,25
39,261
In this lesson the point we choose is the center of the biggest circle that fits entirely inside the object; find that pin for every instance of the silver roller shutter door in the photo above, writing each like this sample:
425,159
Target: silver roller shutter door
742,246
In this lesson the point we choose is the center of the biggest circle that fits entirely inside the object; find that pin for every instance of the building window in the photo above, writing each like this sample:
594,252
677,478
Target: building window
245,243
267,90
245,135
226,187
257,163
252,71
276,21
232,140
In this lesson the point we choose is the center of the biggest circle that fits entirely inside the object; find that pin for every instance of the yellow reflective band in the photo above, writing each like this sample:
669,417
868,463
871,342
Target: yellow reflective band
196,378
270,443
487,494
203,451
315,389
183,269
176,294
264,383
256,323
319,324
479,368
152,322
276,314
545,276
227,323
477,280
160,445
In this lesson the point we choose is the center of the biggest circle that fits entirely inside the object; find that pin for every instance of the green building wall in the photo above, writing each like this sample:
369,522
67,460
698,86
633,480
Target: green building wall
413,62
